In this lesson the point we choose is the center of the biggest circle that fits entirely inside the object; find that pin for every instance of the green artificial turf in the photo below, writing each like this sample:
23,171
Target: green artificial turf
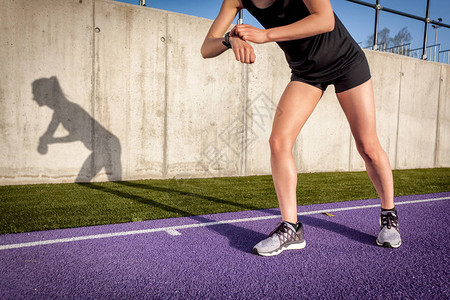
41,207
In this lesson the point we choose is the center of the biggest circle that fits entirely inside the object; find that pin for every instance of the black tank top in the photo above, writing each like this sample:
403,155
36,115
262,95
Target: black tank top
319,58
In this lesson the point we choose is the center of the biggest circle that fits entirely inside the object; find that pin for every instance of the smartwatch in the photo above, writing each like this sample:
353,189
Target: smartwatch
227,40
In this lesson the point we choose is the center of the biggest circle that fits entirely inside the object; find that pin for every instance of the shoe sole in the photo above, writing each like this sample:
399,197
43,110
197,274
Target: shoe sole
296,246
389,245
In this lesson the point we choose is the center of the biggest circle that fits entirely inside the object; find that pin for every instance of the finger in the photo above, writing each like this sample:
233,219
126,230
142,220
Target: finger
253,57
247,56
236,54
242,31
235,31
242,54
241,34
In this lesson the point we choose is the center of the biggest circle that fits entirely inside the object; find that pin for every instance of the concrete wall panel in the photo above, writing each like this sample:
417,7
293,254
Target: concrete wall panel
324,142
418,114
130,90
443,142
40,40
267,79
386,88
204,104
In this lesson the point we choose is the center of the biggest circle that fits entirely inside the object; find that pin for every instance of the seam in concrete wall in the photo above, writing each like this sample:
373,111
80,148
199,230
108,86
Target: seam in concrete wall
93,88
398,115
350,152
436,145
166,96
243,158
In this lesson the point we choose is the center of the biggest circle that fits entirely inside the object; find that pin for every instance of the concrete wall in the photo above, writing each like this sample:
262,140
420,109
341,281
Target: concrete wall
98,90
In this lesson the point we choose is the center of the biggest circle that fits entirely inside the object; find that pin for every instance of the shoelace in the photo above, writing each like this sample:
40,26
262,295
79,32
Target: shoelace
280,229
389,220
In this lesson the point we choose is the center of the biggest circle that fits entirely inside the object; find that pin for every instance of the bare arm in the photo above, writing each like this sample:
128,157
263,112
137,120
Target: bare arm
54,123
47,137
320,20
212,45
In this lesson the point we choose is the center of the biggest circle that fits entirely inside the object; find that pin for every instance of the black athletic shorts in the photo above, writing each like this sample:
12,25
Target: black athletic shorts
356,75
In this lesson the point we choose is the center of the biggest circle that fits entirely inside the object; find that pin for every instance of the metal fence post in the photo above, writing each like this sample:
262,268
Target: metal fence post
425,35
375,34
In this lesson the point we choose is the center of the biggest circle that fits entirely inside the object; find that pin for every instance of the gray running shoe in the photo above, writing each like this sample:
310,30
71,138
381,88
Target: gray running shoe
284,237
389,235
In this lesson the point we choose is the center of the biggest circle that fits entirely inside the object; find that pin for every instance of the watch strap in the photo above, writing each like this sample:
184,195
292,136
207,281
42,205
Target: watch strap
226,42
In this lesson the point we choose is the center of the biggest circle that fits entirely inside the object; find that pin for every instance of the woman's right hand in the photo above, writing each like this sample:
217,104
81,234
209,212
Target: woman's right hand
242,50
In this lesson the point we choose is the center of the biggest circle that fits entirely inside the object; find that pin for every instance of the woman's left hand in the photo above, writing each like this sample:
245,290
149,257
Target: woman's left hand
250,34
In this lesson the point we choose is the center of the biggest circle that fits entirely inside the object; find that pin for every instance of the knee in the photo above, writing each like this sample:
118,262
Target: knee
370,151
280,145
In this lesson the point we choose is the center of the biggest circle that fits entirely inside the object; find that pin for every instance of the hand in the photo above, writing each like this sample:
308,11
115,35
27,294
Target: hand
43,144
250,33
242,50
42,147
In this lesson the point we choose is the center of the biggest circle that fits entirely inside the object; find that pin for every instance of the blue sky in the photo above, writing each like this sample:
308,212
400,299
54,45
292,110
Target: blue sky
358,19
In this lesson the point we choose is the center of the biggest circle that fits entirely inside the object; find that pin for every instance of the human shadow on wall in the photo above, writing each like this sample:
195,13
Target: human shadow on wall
82,127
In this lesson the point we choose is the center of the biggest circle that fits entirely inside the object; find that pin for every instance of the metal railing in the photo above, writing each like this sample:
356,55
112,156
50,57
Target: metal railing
404,49
437,53
418,52
444,56
434,51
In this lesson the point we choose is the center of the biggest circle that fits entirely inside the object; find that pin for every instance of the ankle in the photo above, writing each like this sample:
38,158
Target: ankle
390,207
390,210
296,225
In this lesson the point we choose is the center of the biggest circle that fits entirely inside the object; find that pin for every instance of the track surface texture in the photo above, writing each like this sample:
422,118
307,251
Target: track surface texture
192,258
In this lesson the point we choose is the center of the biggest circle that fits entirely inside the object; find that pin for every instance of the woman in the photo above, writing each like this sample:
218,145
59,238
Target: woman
319,51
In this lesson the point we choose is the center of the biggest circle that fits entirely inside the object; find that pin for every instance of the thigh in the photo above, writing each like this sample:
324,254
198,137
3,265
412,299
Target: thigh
294,108
359,108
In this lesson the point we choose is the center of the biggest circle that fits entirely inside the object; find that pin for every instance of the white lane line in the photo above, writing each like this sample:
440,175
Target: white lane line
173,230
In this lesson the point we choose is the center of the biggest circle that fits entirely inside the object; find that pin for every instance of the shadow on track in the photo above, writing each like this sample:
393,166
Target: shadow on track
346,231
239,238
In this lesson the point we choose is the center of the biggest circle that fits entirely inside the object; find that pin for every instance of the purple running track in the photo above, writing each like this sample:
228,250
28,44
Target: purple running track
181,258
